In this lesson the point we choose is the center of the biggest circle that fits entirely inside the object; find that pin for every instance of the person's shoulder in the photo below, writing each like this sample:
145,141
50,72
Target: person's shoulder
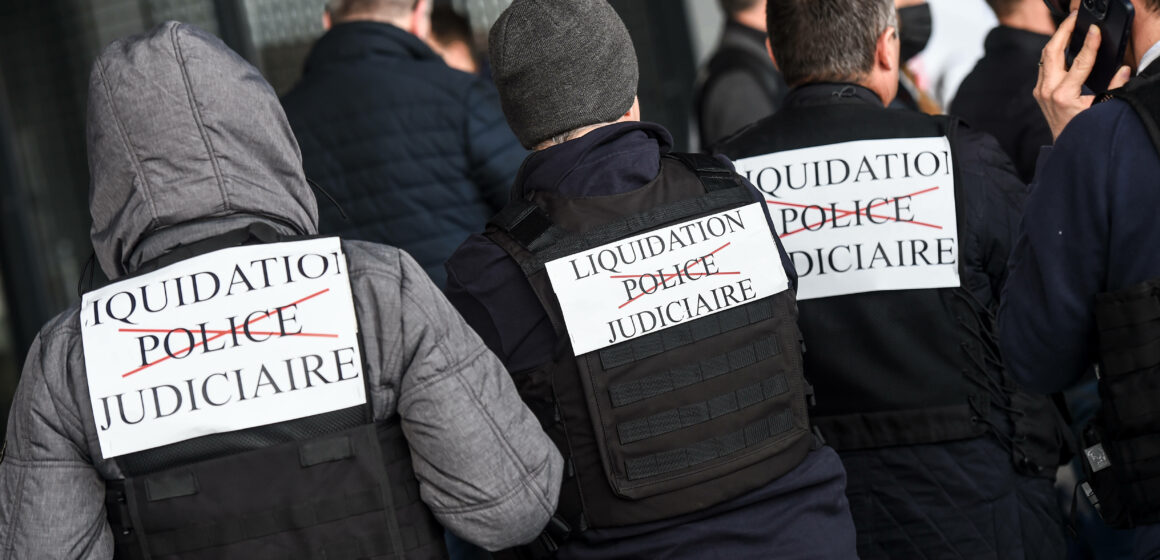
477,253
366,257
1110,118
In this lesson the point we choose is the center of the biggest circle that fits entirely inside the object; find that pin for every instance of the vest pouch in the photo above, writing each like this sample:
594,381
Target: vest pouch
1127,425
350,494
693,403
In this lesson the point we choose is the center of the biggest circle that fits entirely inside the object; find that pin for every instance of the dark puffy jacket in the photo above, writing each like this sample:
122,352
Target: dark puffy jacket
417,154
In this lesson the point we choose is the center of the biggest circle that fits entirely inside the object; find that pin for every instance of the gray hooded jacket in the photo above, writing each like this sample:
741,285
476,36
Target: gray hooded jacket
186,142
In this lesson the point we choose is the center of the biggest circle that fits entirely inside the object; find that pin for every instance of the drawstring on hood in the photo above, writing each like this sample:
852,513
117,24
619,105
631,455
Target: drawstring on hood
186,141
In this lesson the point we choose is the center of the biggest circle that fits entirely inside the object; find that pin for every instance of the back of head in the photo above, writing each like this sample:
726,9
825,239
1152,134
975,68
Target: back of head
561,65
827,40
350,10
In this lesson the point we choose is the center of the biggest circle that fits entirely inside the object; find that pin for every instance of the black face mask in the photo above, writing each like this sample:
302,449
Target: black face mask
914,27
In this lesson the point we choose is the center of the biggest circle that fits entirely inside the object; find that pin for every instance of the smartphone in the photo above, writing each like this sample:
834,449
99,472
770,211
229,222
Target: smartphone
1114,18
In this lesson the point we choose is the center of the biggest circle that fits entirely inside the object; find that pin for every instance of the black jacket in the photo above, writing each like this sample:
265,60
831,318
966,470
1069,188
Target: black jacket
961,498
417,154
741,84
996,97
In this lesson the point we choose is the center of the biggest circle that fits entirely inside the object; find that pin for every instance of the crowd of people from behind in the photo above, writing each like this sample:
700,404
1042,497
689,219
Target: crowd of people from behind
865,329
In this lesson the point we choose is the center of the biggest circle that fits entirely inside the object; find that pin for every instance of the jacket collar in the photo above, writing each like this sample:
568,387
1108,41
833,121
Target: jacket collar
611,159
831,93
366,39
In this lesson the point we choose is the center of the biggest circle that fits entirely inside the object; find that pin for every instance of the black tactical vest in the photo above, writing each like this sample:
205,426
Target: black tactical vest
904,367
678,420
1122,444
336,485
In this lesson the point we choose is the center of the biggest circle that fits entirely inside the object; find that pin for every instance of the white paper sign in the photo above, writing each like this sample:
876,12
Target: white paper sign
864,216
233,339
653,281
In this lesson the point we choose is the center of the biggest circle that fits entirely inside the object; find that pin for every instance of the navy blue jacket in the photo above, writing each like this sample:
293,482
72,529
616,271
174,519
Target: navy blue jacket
801,515
1089,227
417,154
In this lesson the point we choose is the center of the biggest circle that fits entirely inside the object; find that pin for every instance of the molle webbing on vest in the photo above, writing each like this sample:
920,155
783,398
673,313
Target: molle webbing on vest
1128,424
699,412
683,376
710,449
676,420
684,335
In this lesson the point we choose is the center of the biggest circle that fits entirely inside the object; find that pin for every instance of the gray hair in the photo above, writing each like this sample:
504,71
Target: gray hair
390,9
827,40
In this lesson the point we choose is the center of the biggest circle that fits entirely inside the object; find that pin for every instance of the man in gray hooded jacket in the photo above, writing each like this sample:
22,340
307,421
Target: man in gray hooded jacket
189,151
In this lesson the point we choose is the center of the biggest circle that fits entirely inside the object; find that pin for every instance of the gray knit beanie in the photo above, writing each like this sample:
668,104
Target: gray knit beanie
561,65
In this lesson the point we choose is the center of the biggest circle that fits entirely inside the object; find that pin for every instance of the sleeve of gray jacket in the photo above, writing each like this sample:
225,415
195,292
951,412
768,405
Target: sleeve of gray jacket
486,469
51,496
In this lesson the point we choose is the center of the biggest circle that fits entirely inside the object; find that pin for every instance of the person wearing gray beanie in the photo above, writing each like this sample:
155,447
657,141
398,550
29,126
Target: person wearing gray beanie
562,65
686,433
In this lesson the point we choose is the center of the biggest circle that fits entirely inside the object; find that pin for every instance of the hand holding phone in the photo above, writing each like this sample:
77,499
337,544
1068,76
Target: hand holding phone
1060,89
1114,19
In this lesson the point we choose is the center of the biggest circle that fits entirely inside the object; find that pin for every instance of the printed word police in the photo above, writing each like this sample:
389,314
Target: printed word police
126,305
833,172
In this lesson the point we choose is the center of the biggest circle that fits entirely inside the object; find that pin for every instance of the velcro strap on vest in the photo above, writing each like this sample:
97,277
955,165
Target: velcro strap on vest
236,529
713,175
523,220
712,448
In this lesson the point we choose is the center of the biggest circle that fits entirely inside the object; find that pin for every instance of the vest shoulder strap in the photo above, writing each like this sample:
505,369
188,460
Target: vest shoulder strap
1143,95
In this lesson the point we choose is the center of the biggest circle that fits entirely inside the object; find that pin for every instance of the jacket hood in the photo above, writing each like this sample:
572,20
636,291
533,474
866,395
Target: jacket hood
186,141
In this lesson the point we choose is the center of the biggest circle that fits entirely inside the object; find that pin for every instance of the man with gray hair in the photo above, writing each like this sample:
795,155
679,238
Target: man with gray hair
416,154
899,225
679,404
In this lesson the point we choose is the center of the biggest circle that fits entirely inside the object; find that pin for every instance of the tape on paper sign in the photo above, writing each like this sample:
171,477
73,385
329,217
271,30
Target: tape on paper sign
653,281
865,216
237,338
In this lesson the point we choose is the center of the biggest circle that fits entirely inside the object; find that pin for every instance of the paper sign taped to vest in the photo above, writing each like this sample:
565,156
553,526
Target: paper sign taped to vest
865,216
653,281
237,338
